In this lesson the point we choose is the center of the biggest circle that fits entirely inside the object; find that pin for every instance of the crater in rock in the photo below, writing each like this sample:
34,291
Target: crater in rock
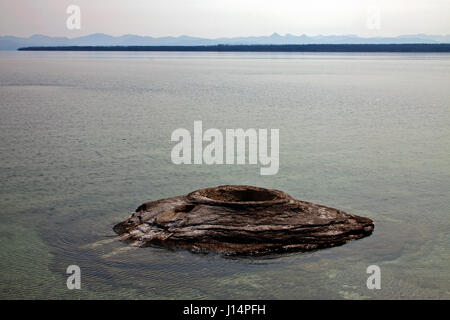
246,195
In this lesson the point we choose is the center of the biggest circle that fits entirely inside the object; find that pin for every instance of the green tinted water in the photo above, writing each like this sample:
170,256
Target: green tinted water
85,139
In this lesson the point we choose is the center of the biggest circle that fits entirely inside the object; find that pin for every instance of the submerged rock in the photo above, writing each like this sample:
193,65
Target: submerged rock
240,220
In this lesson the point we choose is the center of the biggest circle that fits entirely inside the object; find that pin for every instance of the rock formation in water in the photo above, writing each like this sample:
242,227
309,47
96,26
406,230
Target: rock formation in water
240,220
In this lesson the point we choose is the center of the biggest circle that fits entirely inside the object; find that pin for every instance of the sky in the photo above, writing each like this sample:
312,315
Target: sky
227,18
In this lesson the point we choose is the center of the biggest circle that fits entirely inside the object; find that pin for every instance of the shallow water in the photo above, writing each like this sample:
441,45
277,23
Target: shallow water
85,139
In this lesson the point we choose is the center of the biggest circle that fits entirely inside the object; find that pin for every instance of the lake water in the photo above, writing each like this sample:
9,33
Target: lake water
85,139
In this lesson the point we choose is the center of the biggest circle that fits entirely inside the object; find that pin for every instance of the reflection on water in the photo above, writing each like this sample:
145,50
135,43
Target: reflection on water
86,139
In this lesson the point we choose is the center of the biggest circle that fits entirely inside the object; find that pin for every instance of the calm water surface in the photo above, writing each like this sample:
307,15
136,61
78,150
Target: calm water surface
85,139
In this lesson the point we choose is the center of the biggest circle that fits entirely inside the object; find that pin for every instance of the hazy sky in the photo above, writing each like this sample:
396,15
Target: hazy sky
226,18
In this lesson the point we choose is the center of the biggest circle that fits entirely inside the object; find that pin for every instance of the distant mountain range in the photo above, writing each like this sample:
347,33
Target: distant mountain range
99,39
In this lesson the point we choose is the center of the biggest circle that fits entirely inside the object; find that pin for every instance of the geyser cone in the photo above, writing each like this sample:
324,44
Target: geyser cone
241,220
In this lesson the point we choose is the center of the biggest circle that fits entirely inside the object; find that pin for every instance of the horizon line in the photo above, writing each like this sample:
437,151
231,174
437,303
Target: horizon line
229,37
339,48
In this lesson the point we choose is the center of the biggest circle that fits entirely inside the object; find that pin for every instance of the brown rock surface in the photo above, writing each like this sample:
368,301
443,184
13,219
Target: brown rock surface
240,220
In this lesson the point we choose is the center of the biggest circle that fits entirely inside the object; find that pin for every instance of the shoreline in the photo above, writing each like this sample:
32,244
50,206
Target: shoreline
426,48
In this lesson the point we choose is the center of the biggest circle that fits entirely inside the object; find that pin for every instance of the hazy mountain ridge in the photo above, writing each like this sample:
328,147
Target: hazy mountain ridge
99,39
